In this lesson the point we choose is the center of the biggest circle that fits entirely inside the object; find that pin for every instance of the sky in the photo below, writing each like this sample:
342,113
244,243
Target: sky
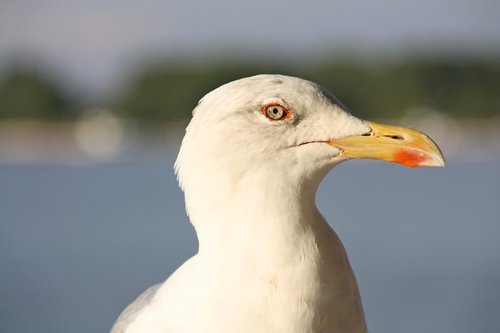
94,44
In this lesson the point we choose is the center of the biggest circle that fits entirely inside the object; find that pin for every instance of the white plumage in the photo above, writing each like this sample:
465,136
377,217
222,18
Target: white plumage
267,261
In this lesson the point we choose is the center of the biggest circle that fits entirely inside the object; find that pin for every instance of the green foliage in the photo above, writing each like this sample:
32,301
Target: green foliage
26,94
369,90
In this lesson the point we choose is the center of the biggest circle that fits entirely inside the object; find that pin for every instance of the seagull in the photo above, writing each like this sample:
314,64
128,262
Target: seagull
250,163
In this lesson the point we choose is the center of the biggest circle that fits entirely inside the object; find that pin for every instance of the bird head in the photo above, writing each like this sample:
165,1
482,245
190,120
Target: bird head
267,127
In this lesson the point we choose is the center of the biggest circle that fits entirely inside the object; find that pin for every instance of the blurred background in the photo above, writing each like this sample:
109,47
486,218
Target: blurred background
94,99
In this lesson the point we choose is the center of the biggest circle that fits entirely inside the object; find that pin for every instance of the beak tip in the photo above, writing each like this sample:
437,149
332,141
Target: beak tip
433,159
440,162
437,161
436,156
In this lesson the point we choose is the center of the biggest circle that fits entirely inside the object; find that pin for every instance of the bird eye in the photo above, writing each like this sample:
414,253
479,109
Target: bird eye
275,111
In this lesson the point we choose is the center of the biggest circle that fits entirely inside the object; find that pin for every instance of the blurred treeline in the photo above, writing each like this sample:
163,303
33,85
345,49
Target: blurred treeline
161,93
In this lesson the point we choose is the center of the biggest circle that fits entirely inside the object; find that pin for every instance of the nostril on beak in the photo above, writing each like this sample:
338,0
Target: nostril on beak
394,137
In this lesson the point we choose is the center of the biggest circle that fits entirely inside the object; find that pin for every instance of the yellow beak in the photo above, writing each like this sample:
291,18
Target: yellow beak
393,144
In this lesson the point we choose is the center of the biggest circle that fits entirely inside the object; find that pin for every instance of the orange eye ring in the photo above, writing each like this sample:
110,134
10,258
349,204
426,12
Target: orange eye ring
275,111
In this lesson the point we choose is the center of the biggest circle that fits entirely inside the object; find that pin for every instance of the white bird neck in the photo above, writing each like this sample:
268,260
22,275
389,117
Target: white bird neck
255,213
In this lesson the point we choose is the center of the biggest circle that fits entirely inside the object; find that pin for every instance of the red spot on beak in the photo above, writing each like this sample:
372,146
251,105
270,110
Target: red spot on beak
410,157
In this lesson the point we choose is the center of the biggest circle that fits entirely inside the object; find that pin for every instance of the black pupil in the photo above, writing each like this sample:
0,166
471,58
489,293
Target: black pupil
275,111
